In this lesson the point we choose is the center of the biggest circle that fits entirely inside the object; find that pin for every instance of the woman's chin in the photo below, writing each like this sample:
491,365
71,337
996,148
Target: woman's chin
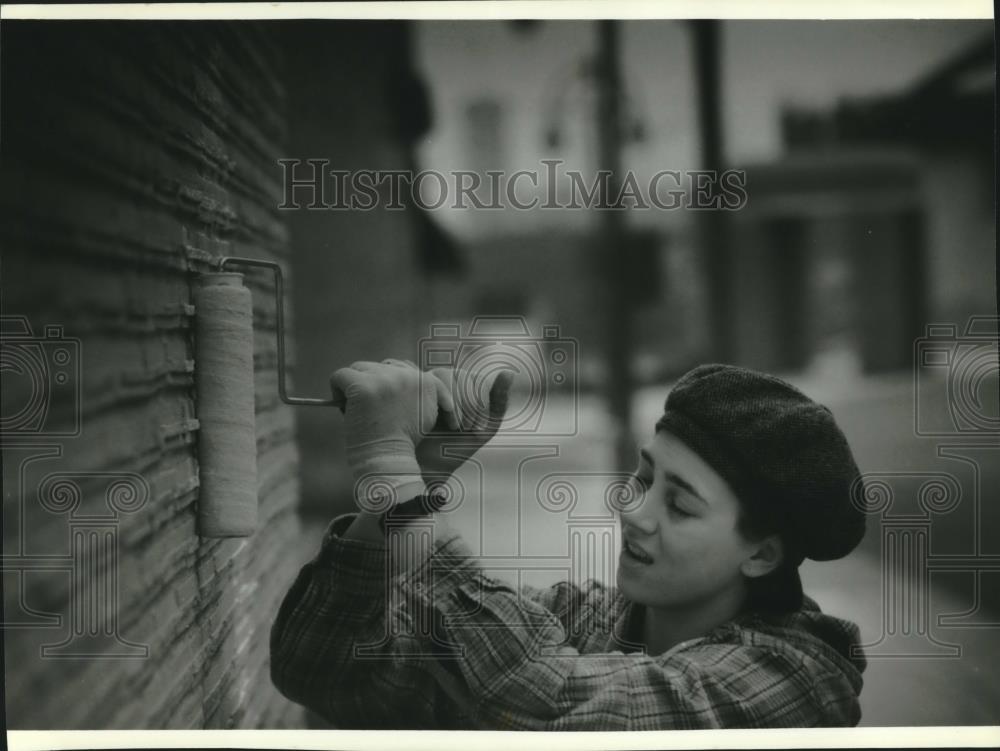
625,579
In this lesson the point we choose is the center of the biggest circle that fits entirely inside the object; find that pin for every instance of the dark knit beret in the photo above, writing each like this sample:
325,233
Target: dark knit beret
781,453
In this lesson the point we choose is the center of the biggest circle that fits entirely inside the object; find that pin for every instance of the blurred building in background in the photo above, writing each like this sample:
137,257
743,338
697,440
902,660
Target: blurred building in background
867,206
830,256
866,231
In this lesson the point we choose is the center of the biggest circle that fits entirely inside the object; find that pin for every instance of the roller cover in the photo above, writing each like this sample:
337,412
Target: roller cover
227,446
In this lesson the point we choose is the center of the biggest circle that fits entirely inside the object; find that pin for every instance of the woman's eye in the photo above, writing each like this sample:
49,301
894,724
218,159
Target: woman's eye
672,504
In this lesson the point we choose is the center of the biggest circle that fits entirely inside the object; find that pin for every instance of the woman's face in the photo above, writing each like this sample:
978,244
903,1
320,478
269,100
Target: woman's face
680,542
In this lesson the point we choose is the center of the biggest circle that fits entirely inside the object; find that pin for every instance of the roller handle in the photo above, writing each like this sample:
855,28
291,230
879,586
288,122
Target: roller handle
338,400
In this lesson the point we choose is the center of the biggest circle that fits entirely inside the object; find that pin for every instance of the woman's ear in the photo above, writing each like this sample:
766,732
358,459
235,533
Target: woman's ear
767,556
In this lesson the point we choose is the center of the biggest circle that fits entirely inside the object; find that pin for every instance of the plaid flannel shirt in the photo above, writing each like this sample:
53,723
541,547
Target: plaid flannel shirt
444,646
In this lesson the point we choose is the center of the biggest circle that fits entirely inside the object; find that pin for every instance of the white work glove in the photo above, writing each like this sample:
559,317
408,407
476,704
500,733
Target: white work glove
388,408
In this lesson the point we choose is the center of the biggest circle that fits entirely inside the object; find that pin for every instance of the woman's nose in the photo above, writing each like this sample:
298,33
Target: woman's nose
644,523
636,512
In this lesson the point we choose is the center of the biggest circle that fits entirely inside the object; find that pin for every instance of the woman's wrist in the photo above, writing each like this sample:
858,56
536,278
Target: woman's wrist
415,509
366,527
381,482
372,526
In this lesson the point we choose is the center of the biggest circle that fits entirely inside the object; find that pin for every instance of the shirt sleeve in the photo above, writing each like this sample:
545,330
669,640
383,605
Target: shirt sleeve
367,649
581,610
339,650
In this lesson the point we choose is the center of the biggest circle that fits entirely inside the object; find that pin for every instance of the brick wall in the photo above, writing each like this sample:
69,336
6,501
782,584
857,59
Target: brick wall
132,154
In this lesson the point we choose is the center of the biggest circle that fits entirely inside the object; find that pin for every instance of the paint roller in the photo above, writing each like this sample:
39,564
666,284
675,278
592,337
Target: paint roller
224,387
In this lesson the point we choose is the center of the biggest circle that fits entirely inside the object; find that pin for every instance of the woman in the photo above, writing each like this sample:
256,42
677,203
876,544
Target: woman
707,626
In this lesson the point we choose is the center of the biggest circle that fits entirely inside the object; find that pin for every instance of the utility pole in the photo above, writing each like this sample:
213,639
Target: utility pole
712,226
614,253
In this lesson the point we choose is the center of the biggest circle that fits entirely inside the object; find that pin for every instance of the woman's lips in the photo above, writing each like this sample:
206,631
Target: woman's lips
635,554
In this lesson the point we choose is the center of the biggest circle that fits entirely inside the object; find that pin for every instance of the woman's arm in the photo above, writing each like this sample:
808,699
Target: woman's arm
350,595
342,645
339,644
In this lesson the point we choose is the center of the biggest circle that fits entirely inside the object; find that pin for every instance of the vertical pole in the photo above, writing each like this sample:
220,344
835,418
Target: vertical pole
786,266
712,225
618,344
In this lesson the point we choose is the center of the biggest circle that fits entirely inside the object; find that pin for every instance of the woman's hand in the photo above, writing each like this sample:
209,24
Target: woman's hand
459,434
388,407
392,398
405,428
402,423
